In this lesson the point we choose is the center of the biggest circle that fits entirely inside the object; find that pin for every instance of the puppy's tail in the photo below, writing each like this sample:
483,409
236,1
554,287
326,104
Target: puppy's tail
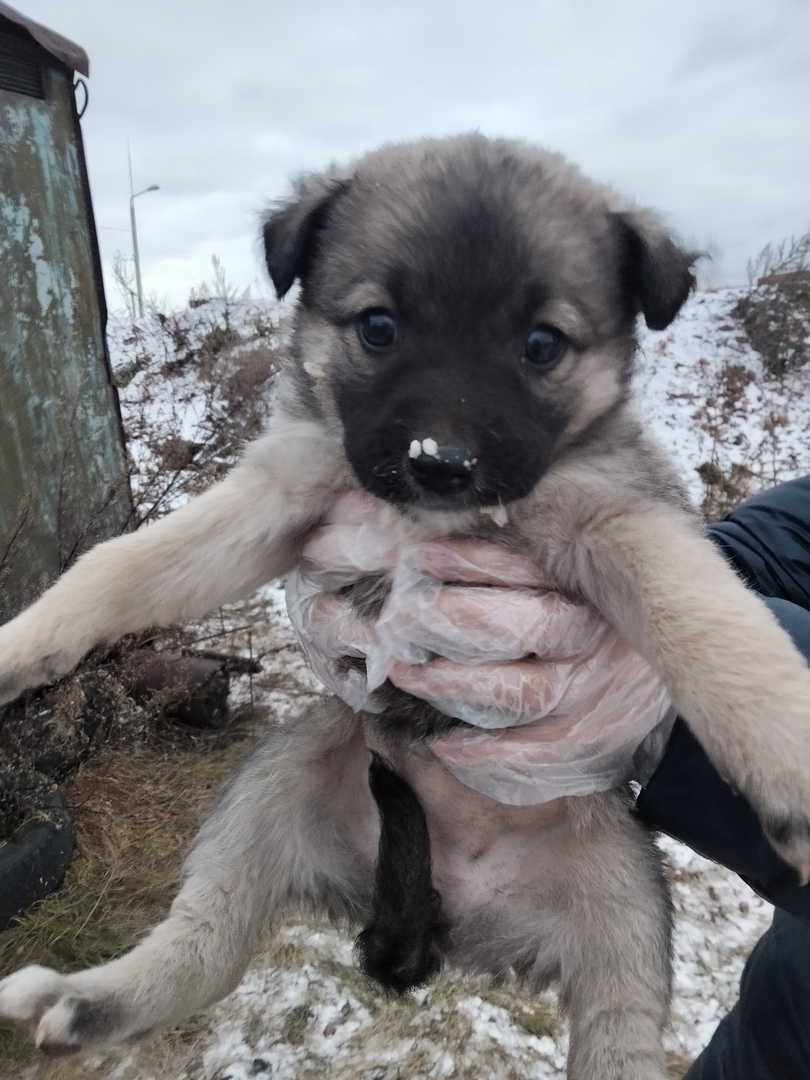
402,945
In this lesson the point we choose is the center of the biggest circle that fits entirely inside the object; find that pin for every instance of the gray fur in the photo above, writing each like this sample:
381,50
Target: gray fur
470,242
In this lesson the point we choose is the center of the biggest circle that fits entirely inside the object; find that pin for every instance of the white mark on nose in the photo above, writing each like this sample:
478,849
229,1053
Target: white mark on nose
418,447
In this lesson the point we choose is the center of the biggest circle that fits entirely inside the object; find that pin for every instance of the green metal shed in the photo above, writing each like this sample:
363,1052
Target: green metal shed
63,481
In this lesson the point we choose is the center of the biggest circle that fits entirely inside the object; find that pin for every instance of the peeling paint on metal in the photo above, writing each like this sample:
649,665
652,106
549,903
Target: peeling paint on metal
61,454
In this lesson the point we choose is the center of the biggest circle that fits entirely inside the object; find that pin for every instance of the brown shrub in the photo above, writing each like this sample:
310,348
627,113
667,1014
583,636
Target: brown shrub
775,313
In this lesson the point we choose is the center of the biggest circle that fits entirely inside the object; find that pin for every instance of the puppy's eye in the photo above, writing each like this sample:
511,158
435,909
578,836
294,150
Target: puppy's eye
377,328
545,346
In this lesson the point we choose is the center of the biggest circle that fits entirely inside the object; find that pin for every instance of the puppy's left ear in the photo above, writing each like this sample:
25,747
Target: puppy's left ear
291,230
657,272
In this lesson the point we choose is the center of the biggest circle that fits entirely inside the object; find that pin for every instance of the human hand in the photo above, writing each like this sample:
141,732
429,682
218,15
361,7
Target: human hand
565,699
422,618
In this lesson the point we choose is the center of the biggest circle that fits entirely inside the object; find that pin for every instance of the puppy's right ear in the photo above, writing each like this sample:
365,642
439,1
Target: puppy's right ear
290,231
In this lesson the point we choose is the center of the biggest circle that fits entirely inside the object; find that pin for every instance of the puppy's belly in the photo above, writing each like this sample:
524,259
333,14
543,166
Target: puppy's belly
486,857
352,805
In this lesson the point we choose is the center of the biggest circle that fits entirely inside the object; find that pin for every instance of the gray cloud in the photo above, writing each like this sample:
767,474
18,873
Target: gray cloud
699,109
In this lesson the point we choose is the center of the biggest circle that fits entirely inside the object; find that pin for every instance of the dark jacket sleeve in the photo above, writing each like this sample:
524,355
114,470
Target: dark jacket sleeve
767,540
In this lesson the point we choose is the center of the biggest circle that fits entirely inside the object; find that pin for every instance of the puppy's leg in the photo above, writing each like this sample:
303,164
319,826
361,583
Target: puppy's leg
615,949
401,947
732,671
283,833
221,547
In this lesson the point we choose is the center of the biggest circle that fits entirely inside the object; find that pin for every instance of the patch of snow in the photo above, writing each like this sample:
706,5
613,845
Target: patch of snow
676,392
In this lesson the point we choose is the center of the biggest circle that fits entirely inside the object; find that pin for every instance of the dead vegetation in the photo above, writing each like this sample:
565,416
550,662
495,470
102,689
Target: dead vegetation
195,386
739,465
135,806
775,312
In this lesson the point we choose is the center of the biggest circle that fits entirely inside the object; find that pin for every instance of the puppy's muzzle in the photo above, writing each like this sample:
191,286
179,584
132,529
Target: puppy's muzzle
447,471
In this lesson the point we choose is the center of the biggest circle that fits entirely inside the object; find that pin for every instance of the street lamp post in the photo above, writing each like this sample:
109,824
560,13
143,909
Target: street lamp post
132,198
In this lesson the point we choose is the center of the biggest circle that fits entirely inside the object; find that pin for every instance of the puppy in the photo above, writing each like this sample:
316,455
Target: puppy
464,343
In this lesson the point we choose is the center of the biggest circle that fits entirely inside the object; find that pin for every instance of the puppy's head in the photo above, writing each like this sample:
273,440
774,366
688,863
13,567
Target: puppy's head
467,311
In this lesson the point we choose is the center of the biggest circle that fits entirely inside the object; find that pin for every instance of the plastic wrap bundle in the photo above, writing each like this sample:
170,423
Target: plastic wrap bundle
556,701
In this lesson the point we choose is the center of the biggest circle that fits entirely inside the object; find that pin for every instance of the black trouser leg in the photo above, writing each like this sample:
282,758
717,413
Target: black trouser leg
766,1036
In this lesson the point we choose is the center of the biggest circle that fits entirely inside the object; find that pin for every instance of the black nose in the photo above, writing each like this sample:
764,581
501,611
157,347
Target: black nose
444,470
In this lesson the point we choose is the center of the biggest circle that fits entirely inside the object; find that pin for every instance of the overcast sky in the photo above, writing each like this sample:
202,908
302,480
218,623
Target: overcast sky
700,108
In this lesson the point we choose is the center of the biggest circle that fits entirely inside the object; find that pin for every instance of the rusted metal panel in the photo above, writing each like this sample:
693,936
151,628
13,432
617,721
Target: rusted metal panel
63,481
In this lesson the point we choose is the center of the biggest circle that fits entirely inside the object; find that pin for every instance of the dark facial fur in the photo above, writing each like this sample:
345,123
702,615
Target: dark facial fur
470,245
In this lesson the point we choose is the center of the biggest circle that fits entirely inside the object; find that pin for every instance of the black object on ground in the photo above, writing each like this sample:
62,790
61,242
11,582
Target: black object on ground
34,860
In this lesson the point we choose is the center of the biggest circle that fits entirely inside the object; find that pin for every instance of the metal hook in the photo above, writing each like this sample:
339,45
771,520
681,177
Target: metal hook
83,84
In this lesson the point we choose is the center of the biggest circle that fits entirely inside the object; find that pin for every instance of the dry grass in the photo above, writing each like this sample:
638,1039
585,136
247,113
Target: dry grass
136,809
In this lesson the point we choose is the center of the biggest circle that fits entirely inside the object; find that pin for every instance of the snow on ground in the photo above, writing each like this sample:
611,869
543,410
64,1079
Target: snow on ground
700,387
303,1011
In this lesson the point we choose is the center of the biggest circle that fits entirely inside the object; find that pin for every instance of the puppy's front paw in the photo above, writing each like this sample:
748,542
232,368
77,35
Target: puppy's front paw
759,741
29,657
780,795
789,833
62,1019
